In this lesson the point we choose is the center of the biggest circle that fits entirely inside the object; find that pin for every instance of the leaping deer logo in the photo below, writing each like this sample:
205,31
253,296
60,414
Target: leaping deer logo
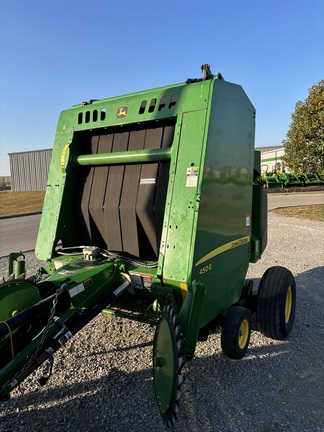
122,112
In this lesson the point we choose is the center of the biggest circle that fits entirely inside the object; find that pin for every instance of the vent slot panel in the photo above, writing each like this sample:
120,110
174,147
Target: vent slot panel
154,105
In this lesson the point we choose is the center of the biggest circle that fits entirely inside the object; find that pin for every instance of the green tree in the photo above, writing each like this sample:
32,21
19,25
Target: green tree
304,145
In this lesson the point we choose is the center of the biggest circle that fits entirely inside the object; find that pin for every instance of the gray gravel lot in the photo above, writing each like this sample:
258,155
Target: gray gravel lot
102,378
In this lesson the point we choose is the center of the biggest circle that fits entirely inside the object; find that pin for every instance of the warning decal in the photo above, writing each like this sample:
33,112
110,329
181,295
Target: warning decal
192,176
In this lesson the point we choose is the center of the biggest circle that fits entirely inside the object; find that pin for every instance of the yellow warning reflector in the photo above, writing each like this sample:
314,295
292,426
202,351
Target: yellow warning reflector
184,290
63,155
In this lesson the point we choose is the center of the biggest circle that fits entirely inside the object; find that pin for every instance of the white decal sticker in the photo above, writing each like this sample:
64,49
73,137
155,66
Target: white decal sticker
147,181
192,176
76,290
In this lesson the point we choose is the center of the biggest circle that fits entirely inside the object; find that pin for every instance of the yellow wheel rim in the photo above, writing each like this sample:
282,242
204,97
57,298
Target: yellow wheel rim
288,305
243,334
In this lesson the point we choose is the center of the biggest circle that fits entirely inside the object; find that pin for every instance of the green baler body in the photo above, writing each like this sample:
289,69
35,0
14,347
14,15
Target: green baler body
163,175
153,211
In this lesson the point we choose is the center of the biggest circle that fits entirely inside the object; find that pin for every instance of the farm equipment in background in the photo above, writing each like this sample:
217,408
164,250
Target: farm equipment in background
272,181
290,179
153,211
310,179
279,179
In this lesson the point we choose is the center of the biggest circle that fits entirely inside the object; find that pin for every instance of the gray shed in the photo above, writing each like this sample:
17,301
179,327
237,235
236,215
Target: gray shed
29,170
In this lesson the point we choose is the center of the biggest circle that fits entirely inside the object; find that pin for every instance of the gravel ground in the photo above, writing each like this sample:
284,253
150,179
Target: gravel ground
102,377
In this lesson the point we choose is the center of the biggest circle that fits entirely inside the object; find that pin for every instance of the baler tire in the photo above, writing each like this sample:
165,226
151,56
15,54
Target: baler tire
276,303
236,331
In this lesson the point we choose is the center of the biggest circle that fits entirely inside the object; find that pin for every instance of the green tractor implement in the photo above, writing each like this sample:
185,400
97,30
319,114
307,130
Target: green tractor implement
311,179
290,179
153,211
272,181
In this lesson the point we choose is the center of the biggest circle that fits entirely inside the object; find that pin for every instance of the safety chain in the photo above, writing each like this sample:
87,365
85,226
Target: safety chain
13,381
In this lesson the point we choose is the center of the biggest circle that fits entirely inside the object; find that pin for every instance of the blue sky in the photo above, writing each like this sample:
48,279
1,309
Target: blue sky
58,53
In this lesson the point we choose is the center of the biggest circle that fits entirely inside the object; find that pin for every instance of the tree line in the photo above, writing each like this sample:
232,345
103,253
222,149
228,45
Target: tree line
304,143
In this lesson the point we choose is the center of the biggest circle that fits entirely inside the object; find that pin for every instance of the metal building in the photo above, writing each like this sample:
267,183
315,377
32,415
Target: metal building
29,170
271,159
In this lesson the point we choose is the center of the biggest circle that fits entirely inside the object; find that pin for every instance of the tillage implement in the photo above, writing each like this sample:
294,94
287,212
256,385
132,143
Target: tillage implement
153,211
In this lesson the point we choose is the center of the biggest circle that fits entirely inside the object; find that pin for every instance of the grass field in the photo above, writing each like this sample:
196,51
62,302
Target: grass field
18,203
310,212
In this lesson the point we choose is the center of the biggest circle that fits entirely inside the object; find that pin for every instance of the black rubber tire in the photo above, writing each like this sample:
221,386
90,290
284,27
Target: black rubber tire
236,331
276,303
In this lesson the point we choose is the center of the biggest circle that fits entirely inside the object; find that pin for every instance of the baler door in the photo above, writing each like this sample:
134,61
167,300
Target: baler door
121,207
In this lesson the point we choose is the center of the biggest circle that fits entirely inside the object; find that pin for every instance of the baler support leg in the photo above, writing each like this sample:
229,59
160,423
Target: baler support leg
190,320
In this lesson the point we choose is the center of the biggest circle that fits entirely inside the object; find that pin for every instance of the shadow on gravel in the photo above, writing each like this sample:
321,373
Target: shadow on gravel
312,280
277,387
123,349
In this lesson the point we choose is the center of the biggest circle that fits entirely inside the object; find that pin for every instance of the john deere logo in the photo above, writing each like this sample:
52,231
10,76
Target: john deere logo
122,112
